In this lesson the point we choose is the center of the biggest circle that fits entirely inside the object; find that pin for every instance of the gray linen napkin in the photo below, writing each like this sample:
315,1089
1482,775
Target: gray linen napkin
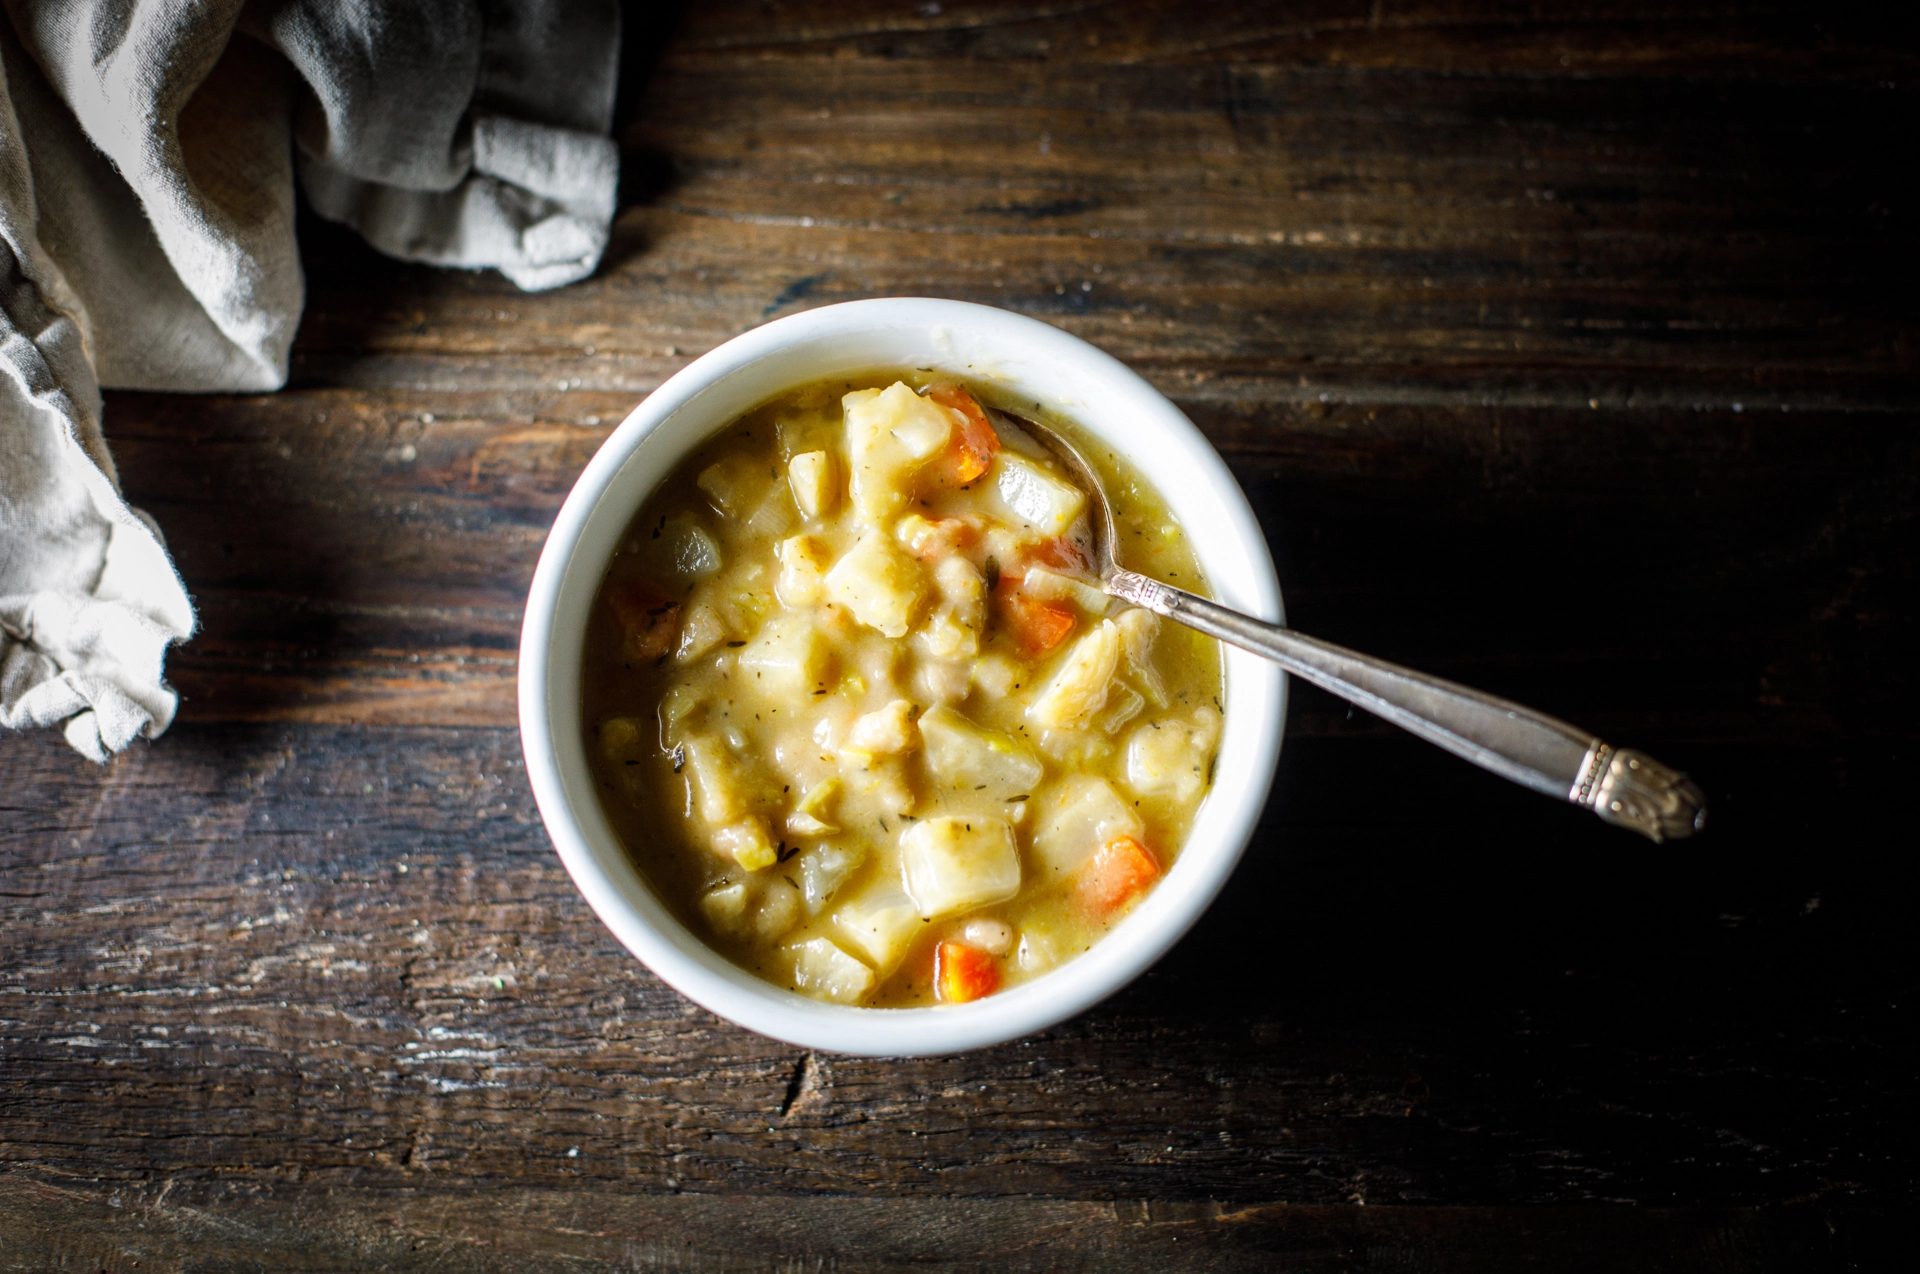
148,153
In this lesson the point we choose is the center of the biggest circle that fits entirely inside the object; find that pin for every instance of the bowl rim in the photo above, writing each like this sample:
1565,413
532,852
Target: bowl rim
1254,697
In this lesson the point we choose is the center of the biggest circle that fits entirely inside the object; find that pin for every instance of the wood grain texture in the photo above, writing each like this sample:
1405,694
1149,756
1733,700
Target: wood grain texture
1567,354
354,560
284,1227
345,955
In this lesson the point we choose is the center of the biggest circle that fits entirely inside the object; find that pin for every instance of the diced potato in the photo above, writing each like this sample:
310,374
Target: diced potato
747,843
887,731
824,868
1077,749
811,476
788,658
883,587
1034,495
1138,628
947,671
1039,950
954,630
762,909
880,922
996,675
966,757
726,907
681,545
1172,758
939,679
713,773
825,972
877,783
1206,728
922,430
1079,688
1158,762
954,863
887,435
778,909
803,571
881,663
1077,817
836,717
1051,586
963,591
701,631
875,461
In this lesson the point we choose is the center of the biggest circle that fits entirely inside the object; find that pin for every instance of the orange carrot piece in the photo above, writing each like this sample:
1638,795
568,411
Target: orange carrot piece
1037,626
1117,873
1061,554
962,973
971,450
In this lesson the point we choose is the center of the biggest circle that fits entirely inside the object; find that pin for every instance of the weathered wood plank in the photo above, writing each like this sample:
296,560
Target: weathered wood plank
355,556
1632,238
1479,263
57,1225
1782,41
346,956
363,556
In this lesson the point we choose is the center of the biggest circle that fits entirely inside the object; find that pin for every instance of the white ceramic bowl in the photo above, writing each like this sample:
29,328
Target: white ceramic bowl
972,341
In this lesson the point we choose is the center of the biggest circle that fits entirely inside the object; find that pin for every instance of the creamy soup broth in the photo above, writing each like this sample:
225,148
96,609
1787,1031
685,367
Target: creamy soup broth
862,723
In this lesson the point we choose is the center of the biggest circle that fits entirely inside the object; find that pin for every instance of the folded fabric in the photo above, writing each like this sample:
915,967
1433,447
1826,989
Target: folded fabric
148,154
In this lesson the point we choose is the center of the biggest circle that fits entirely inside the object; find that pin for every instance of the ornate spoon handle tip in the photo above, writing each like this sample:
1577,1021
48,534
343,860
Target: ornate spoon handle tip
1635,791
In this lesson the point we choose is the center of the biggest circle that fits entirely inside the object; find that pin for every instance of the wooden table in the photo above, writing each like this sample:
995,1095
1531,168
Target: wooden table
1569,357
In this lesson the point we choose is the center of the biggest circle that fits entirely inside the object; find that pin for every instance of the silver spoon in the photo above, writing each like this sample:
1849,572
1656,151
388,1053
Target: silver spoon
1531,748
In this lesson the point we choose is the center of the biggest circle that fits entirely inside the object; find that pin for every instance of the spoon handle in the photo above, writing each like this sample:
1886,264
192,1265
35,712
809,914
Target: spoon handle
1531,748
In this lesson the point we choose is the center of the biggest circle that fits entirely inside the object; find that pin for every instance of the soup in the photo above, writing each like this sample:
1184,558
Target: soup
858,714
